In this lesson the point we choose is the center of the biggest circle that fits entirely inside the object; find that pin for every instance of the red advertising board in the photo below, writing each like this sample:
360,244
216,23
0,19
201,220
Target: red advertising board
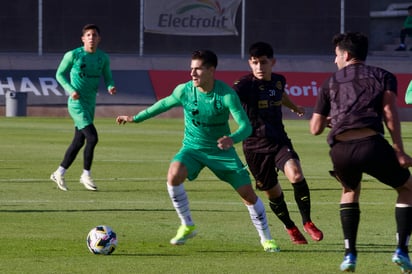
302,87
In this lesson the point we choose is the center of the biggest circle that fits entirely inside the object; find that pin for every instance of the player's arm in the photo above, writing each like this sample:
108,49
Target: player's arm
63,71
159,107
240,117
317,123
108,77
320,117
392,122
287,102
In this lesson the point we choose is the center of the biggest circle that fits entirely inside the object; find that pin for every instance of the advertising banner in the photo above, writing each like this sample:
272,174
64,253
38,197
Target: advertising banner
133,88
142,87
302,87
191,17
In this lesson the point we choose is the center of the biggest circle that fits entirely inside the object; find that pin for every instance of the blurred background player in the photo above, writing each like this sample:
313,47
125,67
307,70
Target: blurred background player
405,31
79,74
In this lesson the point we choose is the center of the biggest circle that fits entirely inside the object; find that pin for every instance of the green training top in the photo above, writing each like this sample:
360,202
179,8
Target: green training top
206,114
407,24
85,71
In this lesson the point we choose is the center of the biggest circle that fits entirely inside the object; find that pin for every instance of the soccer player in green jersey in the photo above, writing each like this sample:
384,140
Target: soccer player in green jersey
85,65
208,142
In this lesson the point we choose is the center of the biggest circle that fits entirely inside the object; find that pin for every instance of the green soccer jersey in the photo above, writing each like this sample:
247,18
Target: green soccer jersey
206,114
407,24
85,70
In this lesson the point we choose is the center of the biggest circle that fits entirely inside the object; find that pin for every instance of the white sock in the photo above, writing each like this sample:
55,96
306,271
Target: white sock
61,170
258,216
86,172
181,203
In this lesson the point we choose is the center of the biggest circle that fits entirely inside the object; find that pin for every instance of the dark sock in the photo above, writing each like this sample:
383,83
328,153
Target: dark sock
350,216
302,198
279,207
403,216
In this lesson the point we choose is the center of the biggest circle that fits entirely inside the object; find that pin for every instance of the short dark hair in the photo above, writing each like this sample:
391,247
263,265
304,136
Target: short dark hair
355,43
410,8
90,26
208,57
260,49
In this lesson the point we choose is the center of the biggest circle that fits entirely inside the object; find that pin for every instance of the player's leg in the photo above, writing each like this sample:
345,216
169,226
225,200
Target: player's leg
348,171
402,38
69,156
228,167
408,33
258,216
262,167
403,217
293,172
177,174
384,165
92,138
350,216
279,207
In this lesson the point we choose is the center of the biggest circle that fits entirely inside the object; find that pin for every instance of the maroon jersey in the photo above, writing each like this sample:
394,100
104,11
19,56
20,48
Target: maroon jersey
353,96
262,101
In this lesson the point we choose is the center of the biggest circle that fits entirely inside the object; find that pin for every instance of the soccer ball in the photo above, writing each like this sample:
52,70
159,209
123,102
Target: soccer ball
102,240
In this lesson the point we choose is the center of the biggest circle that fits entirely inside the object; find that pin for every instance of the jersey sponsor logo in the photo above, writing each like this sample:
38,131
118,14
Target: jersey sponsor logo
279,85
263,104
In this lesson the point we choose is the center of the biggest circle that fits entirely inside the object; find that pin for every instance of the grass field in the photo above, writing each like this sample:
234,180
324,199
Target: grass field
43,230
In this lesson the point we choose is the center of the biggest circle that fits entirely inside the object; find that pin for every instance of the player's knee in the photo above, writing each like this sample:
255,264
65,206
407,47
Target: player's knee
177,173
92,140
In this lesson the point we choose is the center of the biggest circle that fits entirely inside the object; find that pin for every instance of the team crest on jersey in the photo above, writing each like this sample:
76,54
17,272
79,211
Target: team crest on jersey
218,104
279,85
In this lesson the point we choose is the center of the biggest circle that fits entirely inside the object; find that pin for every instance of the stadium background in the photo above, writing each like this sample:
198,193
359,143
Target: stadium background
300,32
293,27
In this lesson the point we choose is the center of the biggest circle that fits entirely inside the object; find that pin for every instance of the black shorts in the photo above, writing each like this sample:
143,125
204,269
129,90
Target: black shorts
371,155
264,166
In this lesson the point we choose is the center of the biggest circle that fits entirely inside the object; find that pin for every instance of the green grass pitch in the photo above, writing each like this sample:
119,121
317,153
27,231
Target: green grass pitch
43,230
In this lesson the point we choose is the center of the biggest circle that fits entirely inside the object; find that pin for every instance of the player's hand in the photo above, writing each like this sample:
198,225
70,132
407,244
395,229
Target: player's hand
123,119
224,143
112,91
404,159
300,111
329,122
75,95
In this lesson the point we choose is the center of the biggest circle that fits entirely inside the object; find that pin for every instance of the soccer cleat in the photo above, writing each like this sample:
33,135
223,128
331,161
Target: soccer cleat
400,48
295,236
313,231
349,263
184,233
59,180
402,260
270,246
88,183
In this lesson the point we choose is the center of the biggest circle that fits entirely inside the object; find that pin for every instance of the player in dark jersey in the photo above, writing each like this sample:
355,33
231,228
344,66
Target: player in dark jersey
269,148
353,102
208,142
